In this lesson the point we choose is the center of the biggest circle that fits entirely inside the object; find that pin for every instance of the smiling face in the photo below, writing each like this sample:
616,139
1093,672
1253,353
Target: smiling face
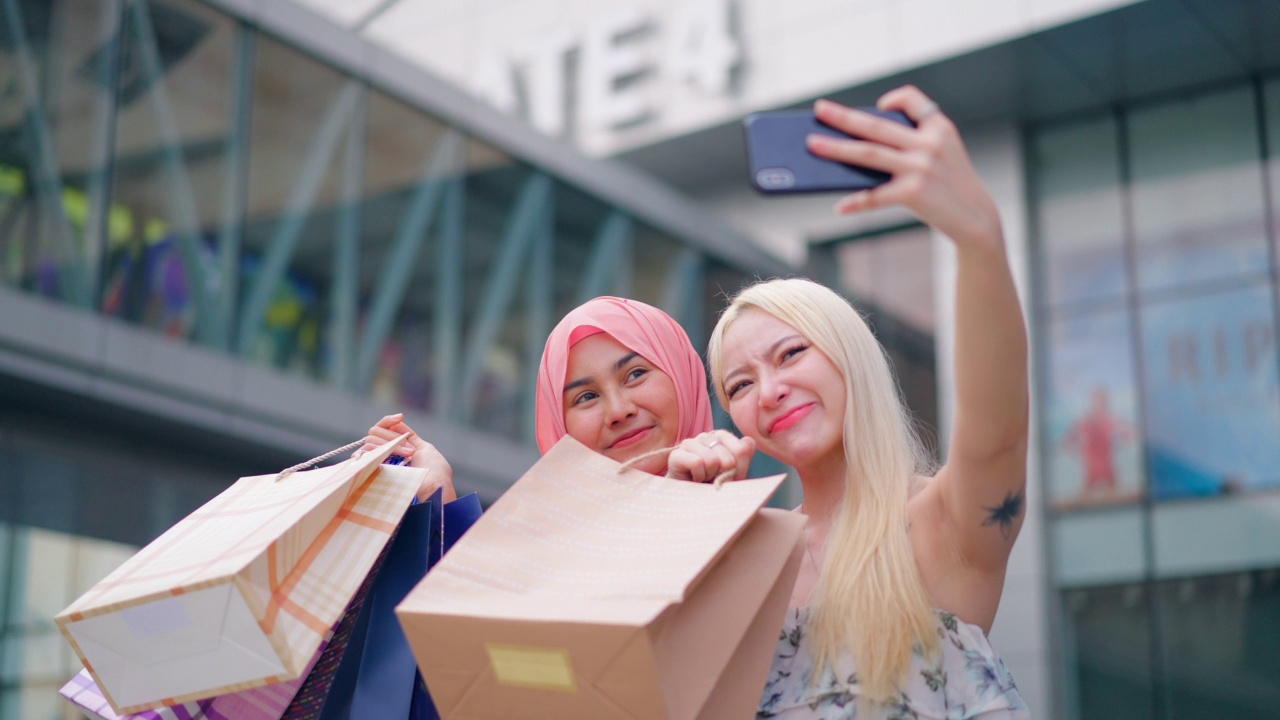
618,403
783,392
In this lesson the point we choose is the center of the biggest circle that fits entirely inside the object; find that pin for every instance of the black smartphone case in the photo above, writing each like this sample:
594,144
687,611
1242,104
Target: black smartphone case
780,161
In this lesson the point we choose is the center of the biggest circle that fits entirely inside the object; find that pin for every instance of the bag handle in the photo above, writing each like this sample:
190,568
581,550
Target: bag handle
718,481
321,458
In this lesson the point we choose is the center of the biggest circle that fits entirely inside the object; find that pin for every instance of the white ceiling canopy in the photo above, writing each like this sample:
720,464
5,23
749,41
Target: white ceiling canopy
621,75
357,13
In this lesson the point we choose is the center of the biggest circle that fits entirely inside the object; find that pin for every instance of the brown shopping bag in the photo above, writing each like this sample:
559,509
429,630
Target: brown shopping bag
585,592
241,592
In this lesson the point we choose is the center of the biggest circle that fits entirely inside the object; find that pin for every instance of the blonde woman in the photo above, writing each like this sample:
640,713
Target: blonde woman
904,570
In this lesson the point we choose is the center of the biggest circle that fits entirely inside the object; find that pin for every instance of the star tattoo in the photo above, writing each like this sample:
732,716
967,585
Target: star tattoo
1005,514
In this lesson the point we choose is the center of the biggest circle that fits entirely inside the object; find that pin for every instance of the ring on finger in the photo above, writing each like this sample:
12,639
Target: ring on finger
713,443
929,108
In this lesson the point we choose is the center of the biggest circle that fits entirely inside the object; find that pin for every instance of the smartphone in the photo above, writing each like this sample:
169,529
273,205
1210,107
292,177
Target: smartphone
780,161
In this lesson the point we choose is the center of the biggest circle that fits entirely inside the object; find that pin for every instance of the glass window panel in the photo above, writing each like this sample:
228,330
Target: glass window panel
95,480
45,504
64,483
1193,538
1220,637
85,487
407,195
304,115
7,546
1212,401
664,274
1079,211
580,233
174,134
45,593
688,286
41,650
1100,547
720,283
56,66
37,701
1197,191
502,230
890,278
1107,639
38,591
893,273
95,559
176,486
1092,447
1271,105
11,665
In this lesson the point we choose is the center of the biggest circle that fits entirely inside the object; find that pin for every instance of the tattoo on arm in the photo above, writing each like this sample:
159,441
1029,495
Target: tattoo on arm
1005,514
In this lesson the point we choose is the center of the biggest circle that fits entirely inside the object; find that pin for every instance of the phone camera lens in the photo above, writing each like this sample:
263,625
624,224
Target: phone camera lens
775,178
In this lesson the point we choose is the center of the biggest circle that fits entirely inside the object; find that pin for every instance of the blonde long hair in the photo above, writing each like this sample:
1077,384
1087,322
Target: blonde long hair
869,597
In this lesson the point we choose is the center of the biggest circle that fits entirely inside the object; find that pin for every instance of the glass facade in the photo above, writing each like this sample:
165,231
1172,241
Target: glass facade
76,500
174,168
889,276
1155,234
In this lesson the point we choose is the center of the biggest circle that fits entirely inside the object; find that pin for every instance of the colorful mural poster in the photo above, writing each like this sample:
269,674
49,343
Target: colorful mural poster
1092,439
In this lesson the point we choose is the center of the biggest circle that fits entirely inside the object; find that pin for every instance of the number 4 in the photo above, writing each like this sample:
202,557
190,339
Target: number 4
703,49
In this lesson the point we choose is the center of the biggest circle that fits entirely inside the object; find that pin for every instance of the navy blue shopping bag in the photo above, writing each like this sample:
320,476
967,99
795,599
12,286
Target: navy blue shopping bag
378,675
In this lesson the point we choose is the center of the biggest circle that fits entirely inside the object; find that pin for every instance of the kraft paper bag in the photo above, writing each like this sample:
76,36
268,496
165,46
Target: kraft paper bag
241,593
586,592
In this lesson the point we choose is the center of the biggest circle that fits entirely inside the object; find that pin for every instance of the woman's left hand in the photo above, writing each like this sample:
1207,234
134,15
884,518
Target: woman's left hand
419,452
932,173
705,457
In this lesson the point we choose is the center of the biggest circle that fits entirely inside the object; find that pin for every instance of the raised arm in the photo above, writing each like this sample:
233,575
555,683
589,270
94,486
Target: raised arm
983,483
974,507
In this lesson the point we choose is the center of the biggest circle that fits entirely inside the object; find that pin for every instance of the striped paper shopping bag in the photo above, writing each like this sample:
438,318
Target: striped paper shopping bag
242,592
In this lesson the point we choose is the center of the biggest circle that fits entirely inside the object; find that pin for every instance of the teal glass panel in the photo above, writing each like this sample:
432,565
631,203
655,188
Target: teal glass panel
58,63
176,146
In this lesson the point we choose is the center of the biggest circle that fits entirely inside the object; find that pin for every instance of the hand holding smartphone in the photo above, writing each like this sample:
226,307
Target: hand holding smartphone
780,161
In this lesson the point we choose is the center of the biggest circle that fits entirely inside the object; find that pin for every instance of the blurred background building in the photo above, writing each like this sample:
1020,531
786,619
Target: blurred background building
234,233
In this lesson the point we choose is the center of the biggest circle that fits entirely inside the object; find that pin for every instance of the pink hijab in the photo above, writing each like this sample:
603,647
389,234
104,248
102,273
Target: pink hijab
642,328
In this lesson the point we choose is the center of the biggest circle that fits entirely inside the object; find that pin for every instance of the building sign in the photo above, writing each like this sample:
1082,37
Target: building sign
1212,395
1094,443
593,78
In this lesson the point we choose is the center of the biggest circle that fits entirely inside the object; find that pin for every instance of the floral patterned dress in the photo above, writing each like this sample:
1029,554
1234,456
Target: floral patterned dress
967,681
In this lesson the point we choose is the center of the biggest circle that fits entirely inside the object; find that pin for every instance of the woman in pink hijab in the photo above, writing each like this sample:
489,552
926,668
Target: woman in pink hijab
621,377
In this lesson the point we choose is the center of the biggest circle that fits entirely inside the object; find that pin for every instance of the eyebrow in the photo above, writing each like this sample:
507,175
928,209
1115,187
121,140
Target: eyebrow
622,361
769,353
